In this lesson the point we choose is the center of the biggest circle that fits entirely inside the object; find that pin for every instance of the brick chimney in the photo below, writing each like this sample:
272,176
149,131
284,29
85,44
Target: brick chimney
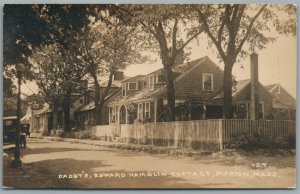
254,104
119,75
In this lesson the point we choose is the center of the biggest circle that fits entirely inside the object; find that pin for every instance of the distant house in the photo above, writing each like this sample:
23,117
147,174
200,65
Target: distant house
241,98
84,115
284,104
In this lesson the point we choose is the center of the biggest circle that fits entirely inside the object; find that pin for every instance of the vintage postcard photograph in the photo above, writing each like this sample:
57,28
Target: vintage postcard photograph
149,96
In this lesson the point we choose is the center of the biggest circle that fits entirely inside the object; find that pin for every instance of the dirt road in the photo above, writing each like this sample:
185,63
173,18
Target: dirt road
50,164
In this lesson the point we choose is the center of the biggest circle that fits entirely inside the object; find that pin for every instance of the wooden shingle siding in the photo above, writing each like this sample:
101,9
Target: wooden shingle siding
190,86
264,97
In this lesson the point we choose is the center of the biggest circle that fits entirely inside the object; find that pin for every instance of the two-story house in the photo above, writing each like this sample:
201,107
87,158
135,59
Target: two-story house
198,92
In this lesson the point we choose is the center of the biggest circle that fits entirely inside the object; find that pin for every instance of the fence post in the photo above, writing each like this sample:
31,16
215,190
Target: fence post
220,134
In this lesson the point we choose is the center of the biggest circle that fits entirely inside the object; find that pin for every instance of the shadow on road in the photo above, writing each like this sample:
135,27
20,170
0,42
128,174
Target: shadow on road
55,174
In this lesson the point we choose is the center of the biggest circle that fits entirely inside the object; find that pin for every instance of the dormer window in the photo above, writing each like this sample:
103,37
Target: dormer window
207,82
132,86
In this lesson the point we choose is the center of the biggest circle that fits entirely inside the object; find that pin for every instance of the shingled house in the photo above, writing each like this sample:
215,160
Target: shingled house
284,104
198,92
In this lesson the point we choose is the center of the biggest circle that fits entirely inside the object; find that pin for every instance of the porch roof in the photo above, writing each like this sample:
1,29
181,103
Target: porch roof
136,96
89,106
26,119
45,109
236,89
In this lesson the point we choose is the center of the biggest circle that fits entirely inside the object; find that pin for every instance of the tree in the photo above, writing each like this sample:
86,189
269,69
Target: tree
169,29
230,27
22,30
8,87
57,76
26,26
106,47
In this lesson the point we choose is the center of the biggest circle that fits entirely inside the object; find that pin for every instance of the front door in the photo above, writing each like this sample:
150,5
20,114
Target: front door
123,115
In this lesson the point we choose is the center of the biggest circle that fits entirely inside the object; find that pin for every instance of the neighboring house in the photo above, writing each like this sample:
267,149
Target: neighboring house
39,121
241,98
198,92
284,104
84,116
40,117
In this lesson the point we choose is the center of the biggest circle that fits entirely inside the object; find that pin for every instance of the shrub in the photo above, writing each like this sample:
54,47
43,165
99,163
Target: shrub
258,141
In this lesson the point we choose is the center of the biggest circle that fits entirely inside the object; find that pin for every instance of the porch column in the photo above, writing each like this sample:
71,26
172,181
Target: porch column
155,110
31,121
109,115
126,116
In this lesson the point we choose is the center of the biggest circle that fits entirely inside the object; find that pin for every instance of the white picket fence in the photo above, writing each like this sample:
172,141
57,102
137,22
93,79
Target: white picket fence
196,132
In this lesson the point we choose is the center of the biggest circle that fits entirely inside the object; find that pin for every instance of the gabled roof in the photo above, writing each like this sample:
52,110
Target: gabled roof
275,89
139,95
271,87
239,87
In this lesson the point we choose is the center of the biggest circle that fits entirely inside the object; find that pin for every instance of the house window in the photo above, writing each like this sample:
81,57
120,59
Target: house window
207,82
113,114
147,110
123,89
151,83
160,79
140,111
132,86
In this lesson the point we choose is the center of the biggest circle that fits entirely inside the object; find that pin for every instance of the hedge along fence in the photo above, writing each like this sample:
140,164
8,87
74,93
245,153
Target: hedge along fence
213,134
259,133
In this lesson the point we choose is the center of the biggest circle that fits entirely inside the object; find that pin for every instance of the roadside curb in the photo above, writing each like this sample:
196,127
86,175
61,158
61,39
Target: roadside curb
134,147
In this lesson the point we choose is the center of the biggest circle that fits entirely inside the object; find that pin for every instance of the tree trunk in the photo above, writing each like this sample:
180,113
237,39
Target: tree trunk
54,122
98,109
170,93
227,88
66,109
100,99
